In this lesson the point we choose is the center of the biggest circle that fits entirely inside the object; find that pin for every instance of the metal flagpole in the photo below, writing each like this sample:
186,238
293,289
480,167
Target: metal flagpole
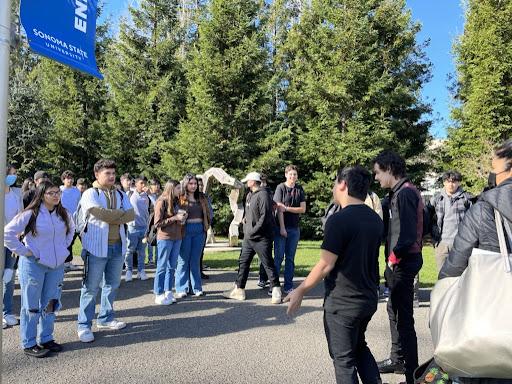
5,47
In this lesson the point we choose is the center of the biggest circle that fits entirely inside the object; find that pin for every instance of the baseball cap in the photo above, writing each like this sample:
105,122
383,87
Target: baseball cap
255,176
40,175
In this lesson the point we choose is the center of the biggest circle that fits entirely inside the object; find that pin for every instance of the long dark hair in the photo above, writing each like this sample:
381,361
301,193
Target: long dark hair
35,205
186,180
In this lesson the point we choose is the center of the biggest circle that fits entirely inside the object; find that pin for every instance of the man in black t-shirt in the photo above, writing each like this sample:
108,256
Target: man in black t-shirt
348,264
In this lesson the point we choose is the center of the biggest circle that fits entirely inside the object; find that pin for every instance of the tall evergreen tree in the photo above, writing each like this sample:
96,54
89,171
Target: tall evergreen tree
76,104
355,73
228,106
483,92
148,87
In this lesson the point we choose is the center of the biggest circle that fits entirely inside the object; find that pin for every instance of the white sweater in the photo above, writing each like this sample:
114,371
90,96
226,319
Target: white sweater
50,245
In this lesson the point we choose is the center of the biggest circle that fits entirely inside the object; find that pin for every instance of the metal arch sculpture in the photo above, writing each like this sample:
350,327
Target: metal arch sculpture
236,206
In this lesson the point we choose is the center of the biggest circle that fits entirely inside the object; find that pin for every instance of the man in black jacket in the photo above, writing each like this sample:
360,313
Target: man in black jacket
404,245
258,233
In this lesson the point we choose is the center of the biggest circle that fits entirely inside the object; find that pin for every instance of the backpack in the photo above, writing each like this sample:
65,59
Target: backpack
81,219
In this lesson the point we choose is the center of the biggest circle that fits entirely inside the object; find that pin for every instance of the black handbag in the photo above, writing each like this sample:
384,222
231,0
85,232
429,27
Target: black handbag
430,372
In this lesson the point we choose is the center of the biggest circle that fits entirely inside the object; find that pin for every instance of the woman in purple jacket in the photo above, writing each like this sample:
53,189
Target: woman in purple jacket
47,230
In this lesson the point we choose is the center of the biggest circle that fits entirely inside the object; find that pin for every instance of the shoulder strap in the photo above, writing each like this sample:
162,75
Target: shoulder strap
501,239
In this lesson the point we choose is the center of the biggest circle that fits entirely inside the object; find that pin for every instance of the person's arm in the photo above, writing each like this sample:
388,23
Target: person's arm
408,202
298,210
12,231
317,274
160,220
280,219
71,233
465,240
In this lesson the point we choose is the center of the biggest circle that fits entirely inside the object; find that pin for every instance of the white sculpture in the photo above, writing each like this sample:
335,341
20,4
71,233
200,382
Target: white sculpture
236,206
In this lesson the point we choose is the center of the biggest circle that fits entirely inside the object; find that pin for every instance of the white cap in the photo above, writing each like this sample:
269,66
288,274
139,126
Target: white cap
255,176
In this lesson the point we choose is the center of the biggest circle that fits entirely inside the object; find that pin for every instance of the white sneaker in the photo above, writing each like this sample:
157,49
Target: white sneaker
128,276
180,295
198,293
114,325
11,320
142,275
86,335
4,324
169,295
276,295
162,300
235,294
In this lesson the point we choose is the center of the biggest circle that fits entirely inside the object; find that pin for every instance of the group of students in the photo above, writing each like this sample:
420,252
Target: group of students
115,223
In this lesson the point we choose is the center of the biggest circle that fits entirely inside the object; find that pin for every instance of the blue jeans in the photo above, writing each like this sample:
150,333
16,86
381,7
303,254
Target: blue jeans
151,251
285,248
189,258
9,287
135,235
41,288
104,272
168,251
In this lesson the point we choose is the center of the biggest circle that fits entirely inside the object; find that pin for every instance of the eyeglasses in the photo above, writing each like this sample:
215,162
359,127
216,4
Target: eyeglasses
53,193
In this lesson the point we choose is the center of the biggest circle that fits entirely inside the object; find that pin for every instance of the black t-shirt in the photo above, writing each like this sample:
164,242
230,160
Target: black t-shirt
354,235
290,197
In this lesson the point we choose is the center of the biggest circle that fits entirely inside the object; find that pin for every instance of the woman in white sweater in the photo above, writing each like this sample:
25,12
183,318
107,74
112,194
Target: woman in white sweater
47,231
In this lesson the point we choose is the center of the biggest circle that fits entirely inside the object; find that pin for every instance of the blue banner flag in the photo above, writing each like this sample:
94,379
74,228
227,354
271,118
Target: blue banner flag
63,30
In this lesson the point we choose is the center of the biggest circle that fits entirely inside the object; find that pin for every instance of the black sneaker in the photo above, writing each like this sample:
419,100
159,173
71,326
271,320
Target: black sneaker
52,346
204,276
262,284
390,366
36,351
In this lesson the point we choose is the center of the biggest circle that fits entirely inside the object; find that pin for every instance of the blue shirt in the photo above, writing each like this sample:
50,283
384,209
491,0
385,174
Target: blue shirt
140,203
70,198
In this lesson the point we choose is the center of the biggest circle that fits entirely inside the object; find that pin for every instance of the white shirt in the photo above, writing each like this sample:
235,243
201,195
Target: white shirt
13,205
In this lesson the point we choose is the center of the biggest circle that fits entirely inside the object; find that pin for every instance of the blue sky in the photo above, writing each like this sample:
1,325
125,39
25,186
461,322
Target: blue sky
442,21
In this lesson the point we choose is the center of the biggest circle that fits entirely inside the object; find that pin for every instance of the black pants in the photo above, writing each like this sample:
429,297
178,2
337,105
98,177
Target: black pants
70,249
263,248
400,312
348,349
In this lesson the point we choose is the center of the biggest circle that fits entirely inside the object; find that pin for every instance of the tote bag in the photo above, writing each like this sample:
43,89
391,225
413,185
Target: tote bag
471,315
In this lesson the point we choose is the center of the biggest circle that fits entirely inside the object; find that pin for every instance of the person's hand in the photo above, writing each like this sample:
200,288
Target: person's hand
144,240
281,207
29,253
282,232
294,300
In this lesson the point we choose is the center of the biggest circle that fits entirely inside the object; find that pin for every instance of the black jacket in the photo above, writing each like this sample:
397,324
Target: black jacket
478,228
259,222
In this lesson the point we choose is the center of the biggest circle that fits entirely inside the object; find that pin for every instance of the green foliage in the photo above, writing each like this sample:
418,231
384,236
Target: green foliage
228,104
483,112
28,123
355,75
148,87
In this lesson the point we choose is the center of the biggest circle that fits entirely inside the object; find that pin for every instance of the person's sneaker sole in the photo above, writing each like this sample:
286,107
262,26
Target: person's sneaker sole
117,328
40,354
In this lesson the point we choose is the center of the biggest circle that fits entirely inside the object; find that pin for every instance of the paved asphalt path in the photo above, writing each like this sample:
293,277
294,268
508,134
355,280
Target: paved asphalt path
198,340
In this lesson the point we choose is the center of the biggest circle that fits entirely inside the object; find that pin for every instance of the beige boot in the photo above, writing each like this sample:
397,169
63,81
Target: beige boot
235,294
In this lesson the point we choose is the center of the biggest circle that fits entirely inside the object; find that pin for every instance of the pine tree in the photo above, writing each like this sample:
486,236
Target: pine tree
148,87
76,105
228,106
483,92
355,74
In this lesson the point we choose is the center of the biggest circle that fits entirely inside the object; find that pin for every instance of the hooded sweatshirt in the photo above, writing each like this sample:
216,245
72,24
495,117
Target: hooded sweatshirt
259,222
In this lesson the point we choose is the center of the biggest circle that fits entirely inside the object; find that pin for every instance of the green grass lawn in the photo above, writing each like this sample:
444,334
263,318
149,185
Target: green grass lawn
307,256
